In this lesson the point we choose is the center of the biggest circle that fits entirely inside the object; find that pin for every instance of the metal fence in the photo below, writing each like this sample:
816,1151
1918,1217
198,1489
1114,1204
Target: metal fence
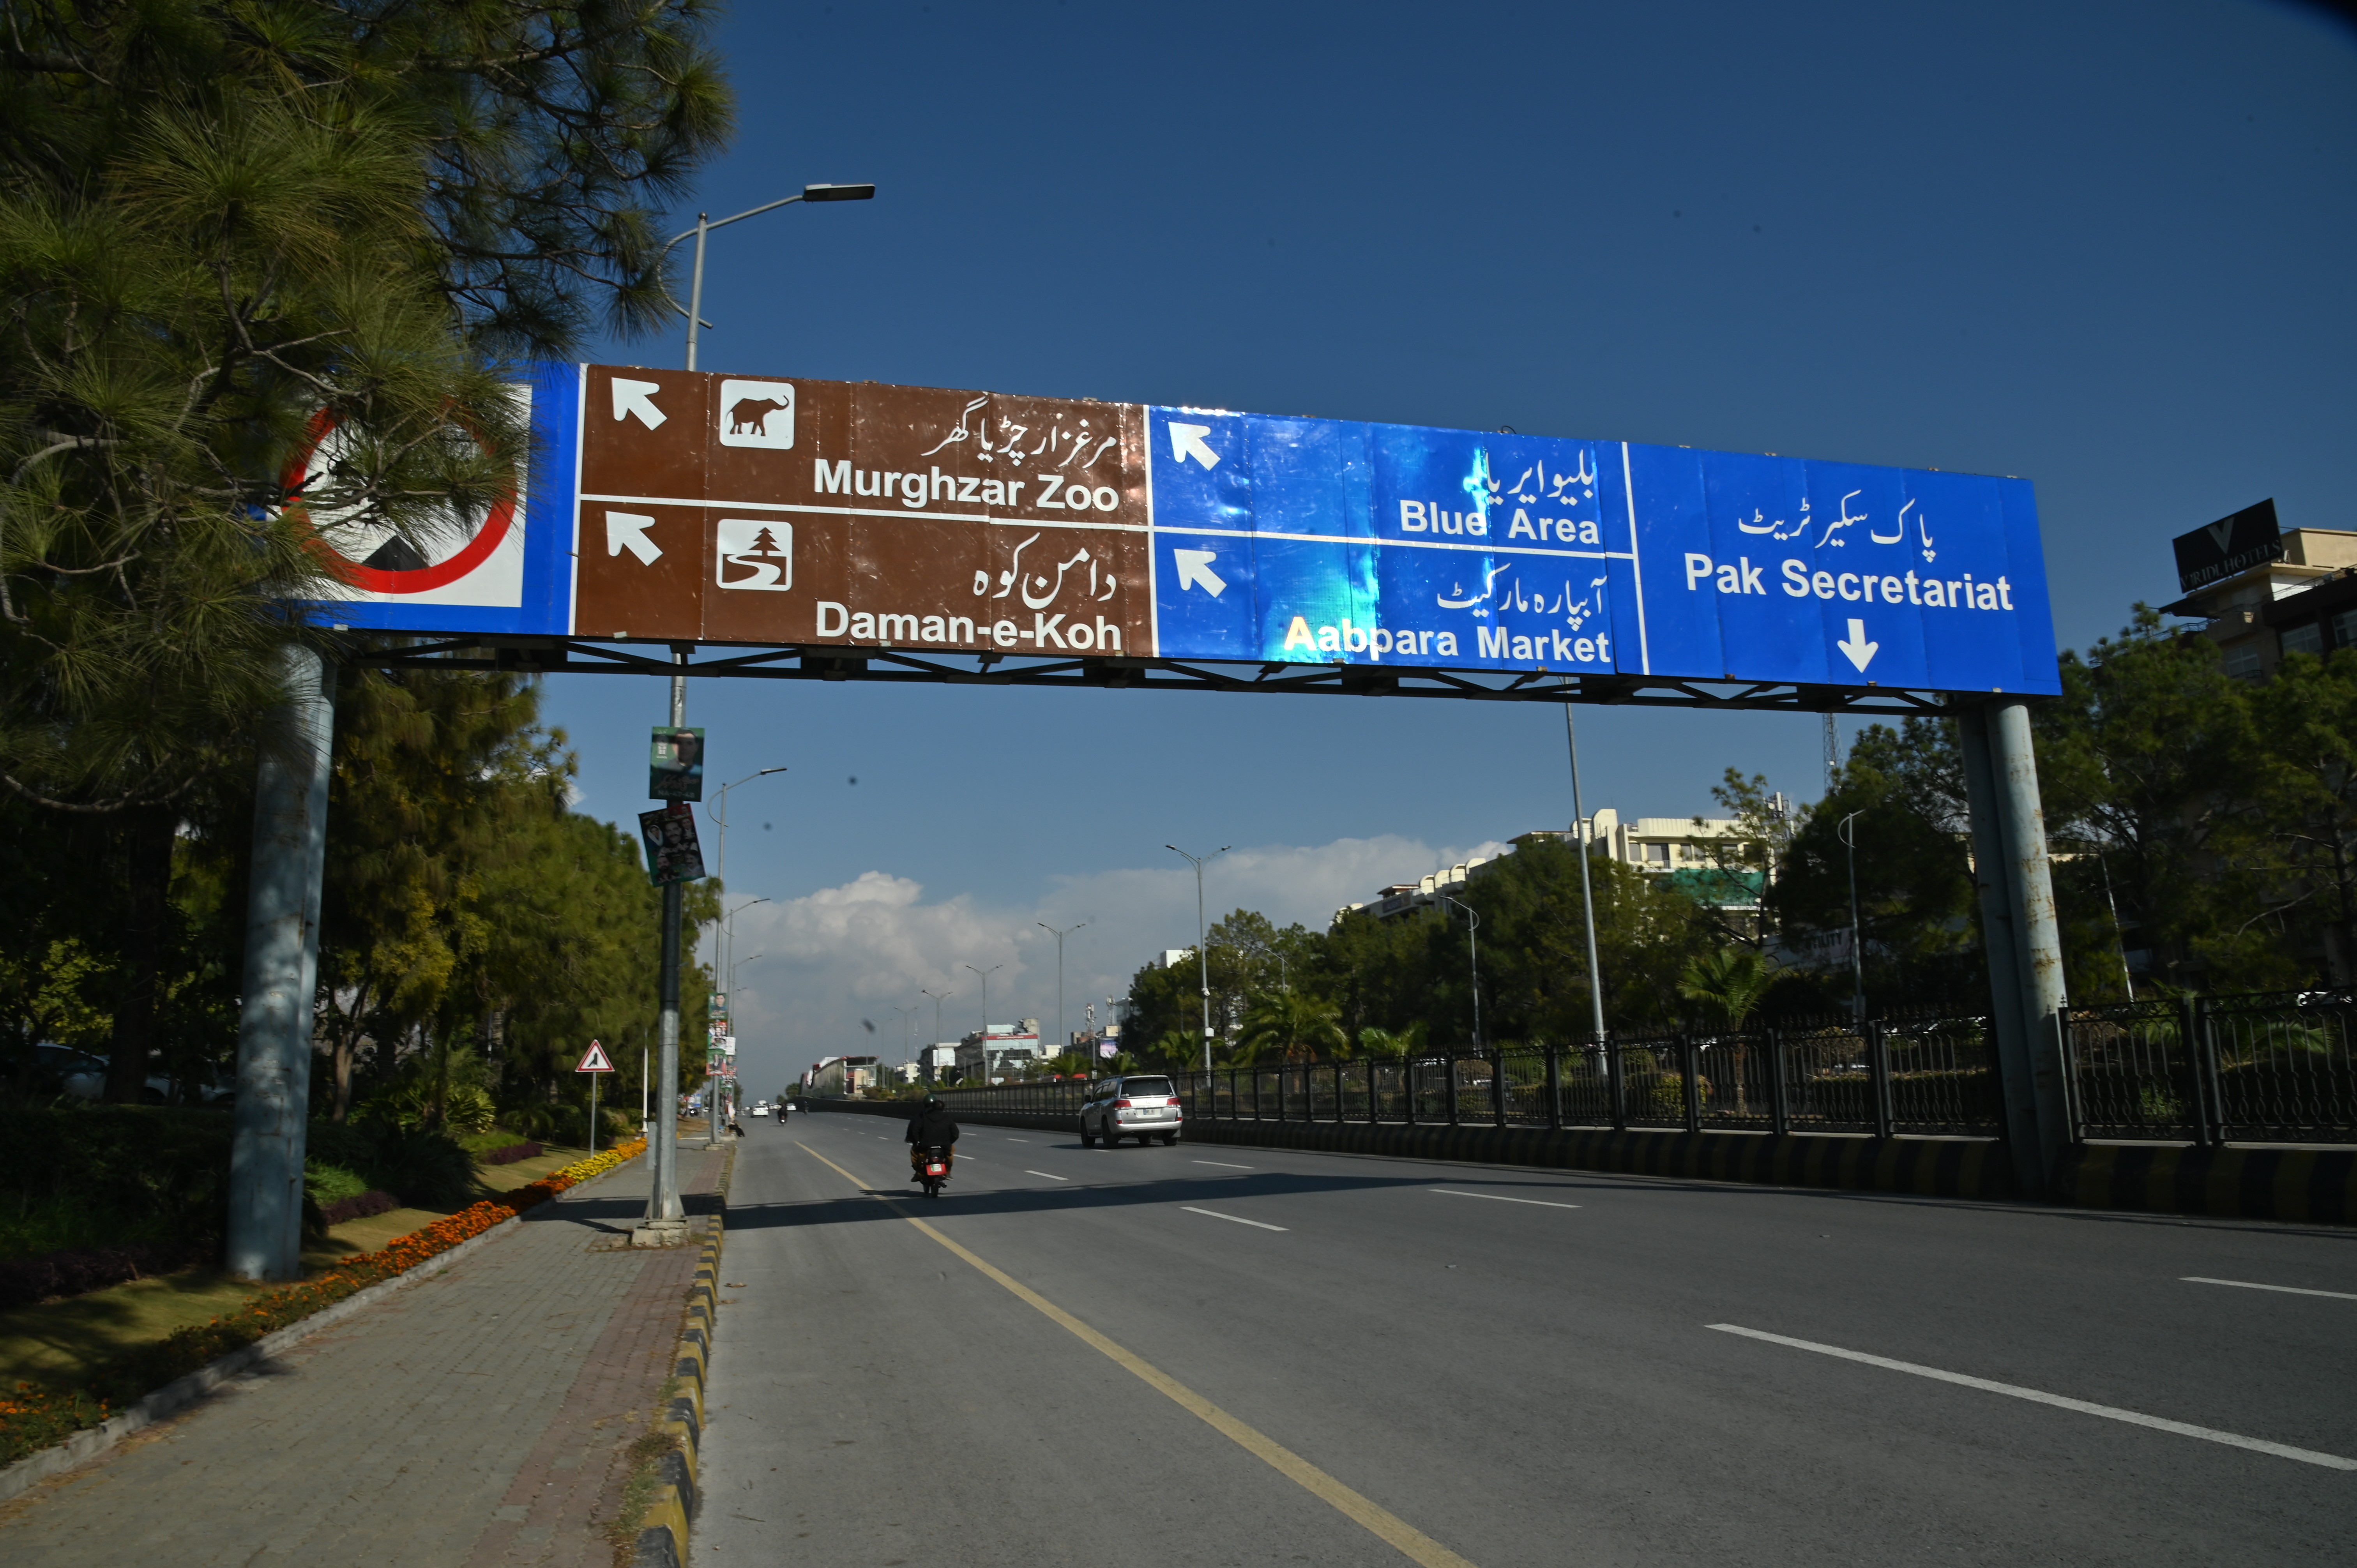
2267,1066
1931,1074
2261,1068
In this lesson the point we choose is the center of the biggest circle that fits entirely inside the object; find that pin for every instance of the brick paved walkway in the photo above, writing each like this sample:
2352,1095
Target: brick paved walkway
478,1417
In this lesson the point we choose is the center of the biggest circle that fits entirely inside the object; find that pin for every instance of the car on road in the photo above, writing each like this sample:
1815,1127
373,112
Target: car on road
1144,1106
760,1108
79,1075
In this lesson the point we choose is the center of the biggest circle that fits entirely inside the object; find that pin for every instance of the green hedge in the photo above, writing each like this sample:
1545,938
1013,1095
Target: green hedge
90,1175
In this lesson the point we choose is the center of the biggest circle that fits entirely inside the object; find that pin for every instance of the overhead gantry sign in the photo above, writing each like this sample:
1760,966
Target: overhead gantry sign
859,531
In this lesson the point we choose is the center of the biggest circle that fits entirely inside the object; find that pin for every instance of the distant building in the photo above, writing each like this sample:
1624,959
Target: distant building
2302,601
937,1061
1173,957
1678,848
1007,1049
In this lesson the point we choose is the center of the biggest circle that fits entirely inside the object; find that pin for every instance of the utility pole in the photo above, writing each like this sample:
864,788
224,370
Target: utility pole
1472,960
1833,753
1202,955
666,1220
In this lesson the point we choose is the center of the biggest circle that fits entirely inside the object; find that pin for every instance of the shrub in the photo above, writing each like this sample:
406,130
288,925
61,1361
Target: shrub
80,1173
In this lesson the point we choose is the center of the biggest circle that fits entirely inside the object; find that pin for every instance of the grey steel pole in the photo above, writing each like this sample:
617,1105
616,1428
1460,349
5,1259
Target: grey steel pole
2022,943
695,295
1587,891
665,1217
986,974
282,966
1848,836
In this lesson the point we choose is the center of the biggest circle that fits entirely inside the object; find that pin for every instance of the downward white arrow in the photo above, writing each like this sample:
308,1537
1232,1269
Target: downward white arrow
1187,441
1861,652
626,531
634,397
1194,568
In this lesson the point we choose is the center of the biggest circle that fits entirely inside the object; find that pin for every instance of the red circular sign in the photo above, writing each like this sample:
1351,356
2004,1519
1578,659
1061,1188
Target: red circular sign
377,579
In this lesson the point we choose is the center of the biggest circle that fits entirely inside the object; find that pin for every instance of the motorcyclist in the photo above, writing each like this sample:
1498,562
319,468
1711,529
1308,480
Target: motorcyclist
930,1128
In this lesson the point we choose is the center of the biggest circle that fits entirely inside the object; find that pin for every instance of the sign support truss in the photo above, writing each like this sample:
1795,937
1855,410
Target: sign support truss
574,656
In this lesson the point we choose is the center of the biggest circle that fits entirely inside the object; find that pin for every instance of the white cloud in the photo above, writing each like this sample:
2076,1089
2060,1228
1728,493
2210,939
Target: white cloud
830,959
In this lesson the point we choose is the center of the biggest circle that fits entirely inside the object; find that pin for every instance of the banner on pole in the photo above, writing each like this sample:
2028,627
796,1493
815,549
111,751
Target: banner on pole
672,853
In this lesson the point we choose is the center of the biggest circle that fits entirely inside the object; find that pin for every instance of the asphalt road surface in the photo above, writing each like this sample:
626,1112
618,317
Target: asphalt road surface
1215,1355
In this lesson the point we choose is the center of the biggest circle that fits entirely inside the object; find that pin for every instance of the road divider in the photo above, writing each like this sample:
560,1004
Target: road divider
2059,1401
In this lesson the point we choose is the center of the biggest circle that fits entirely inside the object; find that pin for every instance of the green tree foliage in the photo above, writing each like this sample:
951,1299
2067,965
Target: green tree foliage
1915,890
1730,984
233,231
1291,1025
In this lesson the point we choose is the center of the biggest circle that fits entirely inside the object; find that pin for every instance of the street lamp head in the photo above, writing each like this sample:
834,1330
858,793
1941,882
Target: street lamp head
838,193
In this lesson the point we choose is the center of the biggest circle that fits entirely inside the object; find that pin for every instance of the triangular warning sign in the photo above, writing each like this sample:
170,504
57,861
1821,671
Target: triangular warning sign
595,1060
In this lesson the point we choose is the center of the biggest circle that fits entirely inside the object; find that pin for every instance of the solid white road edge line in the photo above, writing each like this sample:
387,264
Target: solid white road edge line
1496,1197
1018,1140
2133,1418
2287,1290
1045,1174
1230,1219
1225,1165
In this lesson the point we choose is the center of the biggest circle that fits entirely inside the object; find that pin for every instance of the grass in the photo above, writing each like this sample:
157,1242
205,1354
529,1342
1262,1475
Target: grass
60,1340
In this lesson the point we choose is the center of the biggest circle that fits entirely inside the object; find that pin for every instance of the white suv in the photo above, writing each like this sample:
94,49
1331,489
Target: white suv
1141,1107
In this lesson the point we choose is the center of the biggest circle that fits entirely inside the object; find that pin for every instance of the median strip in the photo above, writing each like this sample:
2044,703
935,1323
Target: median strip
2061,1401
1379,1521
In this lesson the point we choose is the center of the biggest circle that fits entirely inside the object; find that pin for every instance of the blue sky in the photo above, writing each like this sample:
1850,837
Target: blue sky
2105,247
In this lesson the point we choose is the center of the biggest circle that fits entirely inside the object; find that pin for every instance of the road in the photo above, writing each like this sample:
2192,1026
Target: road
1088,1357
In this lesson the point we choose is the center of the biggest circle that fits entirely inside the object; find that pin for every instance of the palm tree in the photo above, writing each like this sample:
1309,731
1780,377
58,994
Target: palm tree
1392,1043
1291,1027
1732,980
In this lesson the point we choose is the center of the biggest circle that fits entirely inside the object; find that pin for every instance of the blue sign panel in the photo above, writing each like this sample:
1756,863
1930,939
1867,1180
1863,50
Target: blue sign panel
1328,543
509,571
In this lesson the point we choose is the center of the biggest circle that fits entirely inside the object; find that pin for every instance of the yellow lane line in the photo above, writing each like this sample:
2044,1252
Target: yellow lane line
1379,1521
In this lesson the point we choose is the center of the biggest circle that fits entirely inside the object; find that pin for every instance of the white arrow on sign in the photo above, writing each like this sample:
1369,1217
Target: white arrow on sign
636,397
1861,652
628,530
1187,441
1194,568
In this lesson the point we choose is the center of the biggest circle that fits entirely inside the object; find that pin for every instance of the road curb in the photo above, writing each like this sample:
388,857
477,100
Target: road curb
664,1530
2318,1187
179,1394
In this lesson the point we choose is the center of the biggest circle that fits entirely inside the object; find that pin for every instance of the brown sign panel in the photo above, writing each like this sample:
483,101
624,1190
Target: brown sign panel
725,508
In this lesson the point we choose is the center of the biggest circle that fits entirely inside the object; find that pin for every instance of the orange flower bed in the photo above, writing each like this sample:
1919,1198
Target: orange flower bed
34,1417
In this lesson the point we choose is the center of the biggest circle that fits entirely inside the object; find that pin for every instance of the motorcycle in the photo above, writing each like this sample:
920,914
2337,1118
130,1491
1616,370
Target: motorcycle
933,1170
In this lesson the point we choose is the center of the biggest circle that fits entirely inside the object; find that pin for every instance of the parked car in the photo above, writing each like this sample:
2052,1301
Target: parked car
1142,1106
79,1075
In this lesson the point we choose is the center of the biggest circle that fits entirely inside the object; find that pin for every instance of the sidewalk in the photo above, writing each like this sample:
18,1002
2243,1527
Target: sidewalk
480,1417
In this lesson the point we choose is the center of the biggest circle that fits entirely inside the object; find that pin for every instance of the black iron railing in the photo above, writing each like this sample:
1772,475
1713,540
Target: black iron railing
1930,1074
2262,1067
2267,1067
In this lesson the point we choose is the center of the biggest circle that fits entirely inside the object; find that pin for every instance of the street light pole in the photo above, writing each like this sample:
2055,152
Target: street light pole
986,974
1580,830
720,866
724,970
694,309
1473,961
907,1030
1202,958
1063,1039
938,997
1856,949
